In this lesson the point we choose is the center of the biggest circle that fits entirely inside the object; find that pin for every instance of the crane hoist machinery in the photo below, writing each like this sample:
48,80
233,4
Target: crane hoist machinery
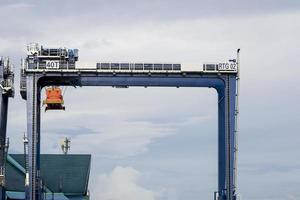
50,58
54,99
6,78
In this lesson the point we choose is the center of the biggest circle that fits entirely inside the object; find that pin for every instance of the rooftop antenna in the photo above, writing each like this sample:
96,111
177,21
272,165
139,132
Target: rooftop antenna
65,145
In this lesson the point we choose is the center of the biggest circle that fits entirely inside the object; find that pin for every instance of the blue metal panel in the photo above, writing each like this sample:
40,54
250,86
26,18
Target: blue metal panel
216,83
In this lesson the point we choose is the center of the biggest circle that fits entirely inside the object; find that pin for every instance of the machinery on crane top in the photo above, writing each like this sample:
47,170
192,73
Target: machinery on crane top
50,58
54,99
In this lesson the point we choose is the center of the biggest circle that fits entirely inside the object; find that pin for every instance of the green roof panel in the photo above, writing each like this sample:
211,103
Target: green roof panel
68,174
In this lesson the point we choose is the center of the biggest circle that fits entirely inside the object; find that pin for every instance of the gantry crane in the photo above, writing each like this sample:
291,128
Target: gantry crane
56,67
7,91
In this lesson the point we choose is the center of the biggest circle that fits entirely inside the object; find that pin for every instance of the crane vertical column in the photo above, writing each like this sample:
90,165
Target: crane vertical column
221,147
226,151
3,120
6,91
33,131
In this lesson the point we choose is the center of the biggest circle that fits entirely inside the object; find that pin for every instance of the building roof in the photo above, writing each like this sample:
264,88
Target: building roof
67,174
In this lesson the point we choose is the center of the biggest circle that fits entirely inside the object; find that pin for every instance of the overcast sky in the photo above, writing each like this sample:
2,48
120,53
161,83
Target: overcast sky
158,143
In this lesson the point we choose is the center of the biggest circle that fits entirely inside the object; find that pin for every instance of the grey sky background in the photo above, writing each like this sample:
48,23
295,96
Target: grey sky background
162,143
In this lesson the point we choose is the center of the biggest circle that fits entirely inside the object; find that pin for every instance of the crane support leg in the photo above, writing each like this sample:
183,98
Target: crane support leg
3,121
33,131
226,141
4,95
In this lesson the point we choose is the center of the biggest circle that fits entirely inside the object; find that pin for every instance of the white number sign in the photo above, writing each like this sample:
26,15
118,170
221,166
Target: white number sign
51,64
227,66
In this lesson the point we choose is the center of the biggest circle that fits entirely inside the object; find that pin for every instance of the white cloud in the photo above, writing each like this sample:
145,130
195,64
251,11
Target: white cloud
121,184
121,139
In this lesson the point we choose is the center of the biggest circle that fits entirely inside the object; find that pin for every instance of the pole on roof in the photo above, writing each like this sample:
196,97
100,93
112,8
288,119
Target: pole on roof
65,145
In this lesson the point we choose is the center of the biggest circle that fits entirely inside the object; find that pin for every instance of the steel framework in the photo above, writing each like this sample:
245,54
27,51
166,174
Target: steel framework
32,81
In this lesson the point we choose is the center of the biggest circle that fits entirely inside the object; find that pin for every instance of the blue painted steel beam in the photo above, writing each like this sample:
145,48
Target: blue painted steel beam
224,84
5,93
3,122
33,132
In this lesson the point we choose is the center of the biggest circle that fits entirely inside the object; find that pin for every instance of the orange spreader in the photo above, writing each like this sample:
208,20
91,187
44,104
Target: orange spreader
54,99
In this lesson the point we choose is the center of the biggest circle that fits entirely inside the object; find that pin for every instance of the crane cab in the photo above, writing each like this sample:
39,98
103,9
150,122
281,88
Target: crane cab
54,99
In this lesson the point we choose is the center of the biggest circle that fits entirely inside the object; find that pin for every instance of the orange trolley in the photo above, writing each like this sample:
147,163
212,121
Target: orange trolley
54,99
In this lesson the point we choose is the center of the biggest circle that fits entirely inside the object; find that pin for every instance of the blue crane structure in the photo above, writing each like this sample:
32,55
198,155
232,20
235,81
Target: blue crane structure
6,91
56,67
